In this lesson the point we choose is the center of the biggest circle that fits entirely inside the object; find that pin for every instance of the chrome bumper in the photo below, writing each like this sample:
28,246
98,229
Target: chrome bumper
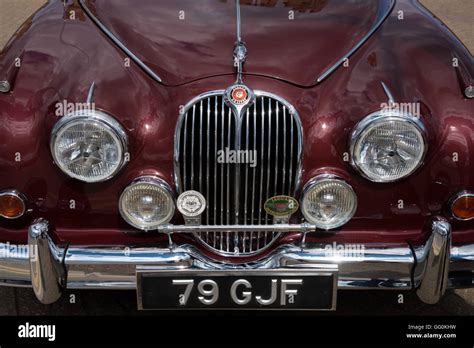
49,269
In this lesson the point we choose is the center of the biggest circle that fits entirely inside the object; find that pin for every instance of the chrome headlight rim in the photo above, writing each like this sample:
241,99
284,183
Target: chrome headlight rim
152,180
321,178
104,119
385,116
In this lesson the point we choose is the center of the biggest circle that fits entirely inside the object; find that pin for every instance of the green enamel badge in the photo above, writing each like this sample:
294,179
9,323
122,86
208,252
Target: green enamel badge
280,206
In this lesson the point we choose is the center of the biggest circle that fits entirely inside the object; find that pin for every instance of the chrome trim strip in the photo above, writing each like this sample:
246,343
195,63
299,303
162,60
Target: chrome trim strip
90,94
453,200
20,196
239,23
381,19
391,99
117,41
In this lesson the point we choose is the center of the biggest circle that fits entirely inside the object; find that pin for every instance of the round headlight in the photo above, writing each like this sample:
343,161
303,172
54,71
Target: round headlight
89,146
328,202
147,203
386,147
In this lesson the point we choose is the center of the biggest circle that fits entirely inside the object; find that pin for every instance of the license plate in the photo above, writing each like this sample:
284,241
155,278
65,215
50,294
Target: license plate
248,289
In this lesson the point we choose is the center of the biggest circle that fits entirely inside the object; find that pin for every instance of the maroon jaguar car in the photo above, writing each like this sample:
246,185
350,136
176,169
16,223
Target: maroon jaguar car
222,154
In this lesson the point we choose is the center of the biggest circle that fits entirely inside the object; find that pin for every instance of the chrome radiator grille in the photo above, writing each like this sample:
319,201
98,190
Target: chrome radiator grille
236,192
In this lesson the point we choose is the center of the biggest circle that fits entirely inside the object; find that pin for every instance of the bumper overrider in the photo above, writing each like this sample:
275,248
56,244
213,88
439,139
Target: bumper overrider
49,269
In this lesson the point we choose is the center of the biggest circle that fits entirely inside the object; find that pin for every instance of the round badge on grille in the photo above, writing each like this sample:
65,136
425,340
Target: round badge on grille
239,95
191,203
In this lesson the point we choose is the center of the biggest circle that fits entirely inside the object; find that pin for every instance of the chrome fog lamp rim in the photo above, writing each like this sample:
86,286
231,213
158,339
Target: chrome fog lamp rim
153,180
89,116
317,180
373,119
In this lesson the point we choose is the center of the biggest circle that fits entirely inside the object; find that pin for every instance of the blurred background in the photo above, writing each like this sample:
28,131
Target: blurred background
456,14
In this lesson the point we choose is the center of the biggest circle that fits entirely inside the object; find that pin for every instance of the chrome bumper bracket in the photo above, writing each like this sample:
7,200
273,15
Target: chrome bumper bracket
47,272
436,263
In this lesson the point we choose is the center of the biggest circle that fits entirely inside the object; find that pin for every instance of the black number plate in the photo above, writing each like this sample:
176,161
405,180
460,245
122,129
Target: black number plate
248,289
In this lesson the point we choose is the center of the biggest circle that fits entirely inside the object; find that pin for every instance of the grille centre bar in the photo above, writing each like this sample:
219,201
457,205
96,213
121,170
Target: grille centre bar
279,228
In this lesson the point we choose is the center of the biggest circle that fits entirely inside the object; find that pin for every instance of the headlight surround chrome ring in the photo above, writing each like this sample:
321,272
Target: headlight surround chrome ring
139,188
323,183
381,118
103,123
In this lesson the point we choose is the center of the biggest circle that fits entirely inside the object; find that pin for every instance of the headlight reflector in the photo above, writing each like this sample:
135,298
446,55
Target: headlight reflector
147,203
89,146
328,202
388,147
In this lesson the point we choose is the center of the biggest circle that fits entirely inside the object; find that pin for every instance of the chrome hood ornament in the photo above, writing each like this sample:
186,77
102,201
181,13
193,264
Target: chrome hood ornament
238,96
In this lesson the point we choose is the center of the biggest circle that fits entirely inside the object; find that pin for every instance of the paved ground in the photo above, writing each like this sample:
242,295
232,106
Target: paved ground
457,14
23,302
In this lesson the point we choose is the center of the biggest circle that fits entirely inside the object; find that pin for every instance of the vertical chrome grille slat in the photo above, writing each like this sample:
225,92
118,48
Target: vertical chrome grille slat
247,133
267,192
290,178
192,147
200,147
229,122
221,166
276,150
208,155
269,126
185,153
254,171
284,150
215,154
262,150
228,177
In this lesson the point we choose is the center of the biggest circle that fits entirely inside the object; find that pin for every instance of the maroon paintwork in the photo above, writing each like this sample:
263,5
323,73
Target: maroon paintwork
61,57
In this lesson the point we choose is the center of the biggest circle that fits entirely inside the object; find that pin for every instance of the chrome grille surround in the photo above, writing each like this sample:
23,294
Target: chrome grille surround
205,126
